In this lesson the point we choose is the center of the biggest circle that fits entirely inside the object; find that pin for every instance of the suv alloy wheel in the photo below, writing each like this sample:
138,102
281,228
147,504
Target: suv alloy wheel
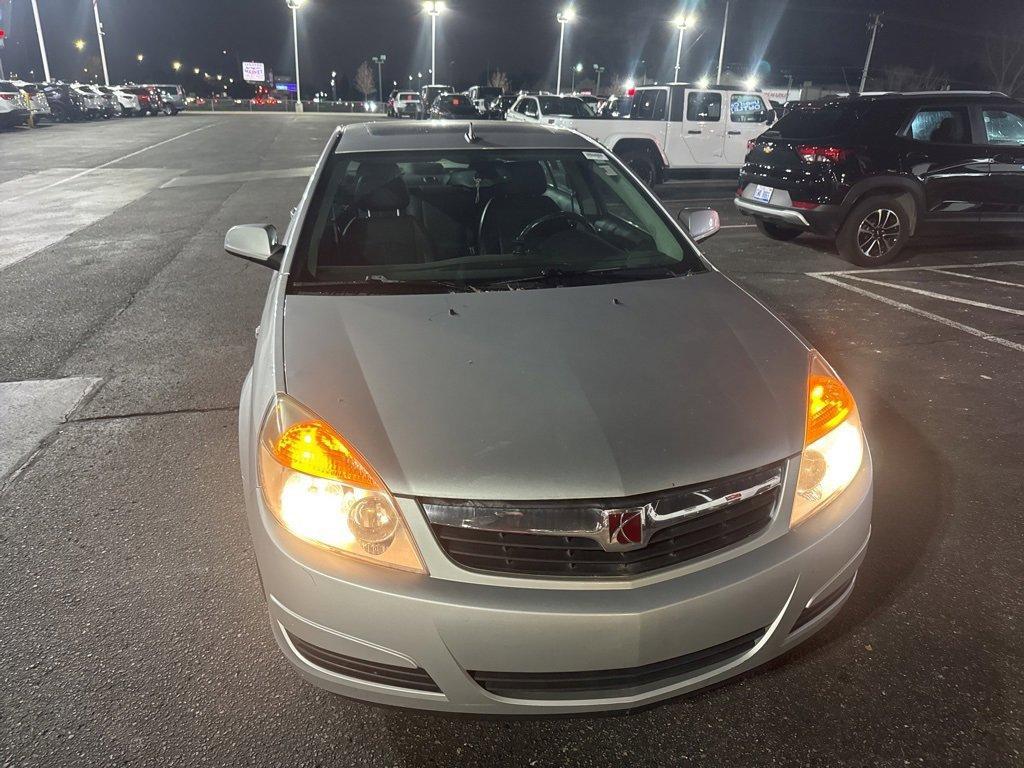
875,232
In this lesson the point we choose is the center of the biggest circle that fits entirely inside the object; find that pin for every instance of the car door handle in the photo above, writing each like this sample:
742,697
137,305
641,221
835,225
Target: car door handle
735,133
695,132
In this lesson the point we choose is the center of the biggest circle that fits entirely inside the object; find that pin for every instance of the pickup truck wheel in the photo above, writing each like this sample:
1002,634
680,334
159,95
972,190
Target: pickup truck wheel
777,231
640,163
875,232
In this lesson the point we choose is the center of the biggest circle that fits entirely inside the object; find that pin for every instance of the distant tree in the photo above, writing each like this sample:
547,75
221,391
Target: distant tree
909,79
500,80
365,81
1004,59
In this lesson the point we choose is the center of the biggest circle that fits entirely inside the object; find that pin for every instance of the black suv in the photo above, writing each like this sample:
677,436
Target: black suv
868,169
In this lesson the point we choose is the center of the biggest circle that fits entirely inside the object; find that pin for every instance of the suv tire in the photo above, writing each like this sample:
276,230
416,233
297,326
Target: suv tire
875,232
639,161
777,231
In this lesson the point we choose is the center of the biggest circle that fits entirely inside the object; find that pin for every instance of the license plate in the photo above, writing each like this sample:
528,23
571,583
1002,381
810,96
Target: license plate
763,194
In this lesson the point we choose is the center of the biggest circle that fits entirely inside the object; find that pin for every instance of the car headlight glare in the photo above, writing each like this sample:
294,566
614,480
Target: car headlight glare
833,444
323,491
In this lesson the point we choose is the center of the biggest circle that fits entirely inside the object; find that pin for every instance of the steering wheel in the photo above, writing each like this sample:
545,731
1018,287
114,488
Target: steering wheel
567,220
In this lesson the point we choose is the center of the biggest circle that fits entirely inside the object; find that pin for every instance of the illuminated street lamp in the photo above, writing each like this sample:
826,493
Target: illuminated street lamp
139,58
433,8
294,5
575,71
682,21
565,16
176,66
196,70
80,44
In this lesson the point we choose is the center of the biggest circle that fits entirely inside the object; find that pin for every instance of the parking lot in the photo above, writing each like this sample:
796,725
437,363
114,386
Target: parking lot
134,624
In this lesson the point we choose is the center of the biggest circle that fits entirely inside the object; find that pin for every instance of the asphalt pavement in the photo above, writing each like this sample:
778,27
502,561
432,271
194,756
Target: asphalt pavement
134,629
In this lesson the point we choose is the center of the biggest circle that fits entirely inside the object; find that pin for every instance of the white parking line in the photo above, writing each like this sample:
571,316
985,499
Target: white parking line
87,171
978,265
827,278
939,296
975,277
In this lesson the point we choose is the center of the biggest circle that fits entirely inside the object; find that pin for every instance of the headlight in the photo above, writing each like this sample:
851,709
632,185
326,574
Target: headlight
833,442
322,490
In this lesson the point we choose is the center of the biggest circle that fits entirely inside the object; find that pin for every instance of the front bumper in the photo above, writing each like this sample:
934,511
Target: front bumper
777,590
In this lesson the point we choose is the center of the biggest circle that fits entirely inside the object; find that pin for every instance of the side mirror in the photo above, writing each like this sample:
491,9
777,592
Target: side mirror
255,242
771,117
701,223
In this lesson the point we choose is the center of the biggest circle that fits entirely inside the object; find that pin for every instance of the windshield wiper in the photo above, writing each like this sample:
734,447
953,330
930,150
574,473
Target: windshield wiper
557,276
376,284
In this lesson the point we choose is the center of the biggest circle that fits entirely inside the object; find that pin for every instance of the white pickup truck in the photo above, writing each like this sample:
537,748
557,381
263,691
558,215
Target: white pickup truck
681,127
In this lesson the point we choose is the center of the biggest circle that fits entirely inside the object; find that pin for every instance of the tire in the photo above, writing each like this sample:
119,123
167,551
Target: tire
875,232
777,231
642,165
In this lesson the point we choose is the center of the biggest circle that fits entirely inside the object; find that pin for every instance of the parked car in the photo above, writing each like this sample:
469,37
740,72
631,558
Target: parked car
474,490
93,104
498,107
482,96
127,103
616,105
431,92
868,171
453,106
407,104
39,106
172,98
547,108
110,107
14,110
149,99
66,104
681,127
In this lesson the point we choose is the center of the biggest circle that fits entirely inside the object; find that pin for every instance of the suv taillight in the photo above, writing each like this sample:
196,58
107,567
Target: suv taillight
7,96
751,143
813,153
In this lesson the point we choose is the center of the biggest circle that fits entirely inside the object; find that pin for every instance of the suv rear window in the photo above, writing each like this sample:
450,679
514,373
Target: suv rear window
814,121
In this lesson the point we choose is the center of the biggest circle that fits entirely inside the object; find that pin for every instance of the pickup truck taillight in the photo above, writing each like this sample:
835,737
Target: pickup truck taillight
8,96
814,153
751,143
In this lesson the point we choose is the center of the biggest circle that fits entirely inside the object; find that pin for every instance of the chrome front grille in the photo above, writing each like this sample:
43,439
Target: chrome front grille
608,538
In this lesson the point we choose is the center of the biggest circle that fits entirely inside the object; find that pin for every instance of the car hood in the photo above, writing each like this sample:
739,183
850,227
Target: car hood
558,393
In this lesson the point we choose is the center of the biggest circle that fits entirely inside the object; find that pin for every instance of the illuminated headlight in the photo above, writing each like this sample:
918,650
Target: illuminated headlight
323,491
834,443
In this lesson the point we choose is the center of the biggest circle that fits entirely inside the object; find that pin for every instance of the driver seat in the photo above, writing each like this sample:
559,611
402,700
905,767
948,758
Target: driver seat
519,201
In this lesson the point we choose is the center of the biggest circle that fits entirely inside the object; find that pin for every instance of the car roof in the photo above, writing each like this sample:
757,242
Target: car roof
924,96
451,134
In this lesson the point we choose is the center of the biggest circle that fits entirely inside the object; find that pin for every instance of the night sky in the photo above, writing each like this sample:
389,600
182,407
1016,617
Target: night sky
820,40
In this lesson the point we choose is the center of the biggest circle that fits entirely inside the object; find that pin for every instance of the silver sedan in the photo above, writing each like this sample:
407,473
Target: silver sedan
510,444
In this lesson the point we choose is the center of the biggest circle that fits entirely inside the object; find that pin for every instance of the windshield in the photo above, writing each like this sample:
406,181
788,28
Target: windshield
481,220
561,105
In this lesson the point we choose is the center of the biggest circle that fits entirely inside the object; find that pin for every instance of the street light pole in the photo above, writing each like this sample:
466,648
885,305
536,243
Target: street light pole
564,17
42,45
99,35
578,68
721,47
874,26
433,8
682,21
294,5
597,88
379,61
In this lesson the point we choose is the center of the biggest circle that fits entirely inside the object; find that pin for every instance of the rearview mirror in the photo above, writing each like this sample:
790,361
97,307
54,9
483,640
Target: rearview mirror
255,242
701,223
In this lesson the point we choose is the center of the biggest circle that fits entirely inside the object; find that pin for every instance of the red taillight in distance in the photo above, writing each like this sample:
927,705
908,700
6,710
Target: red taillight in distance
751,143
814,153
8,96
